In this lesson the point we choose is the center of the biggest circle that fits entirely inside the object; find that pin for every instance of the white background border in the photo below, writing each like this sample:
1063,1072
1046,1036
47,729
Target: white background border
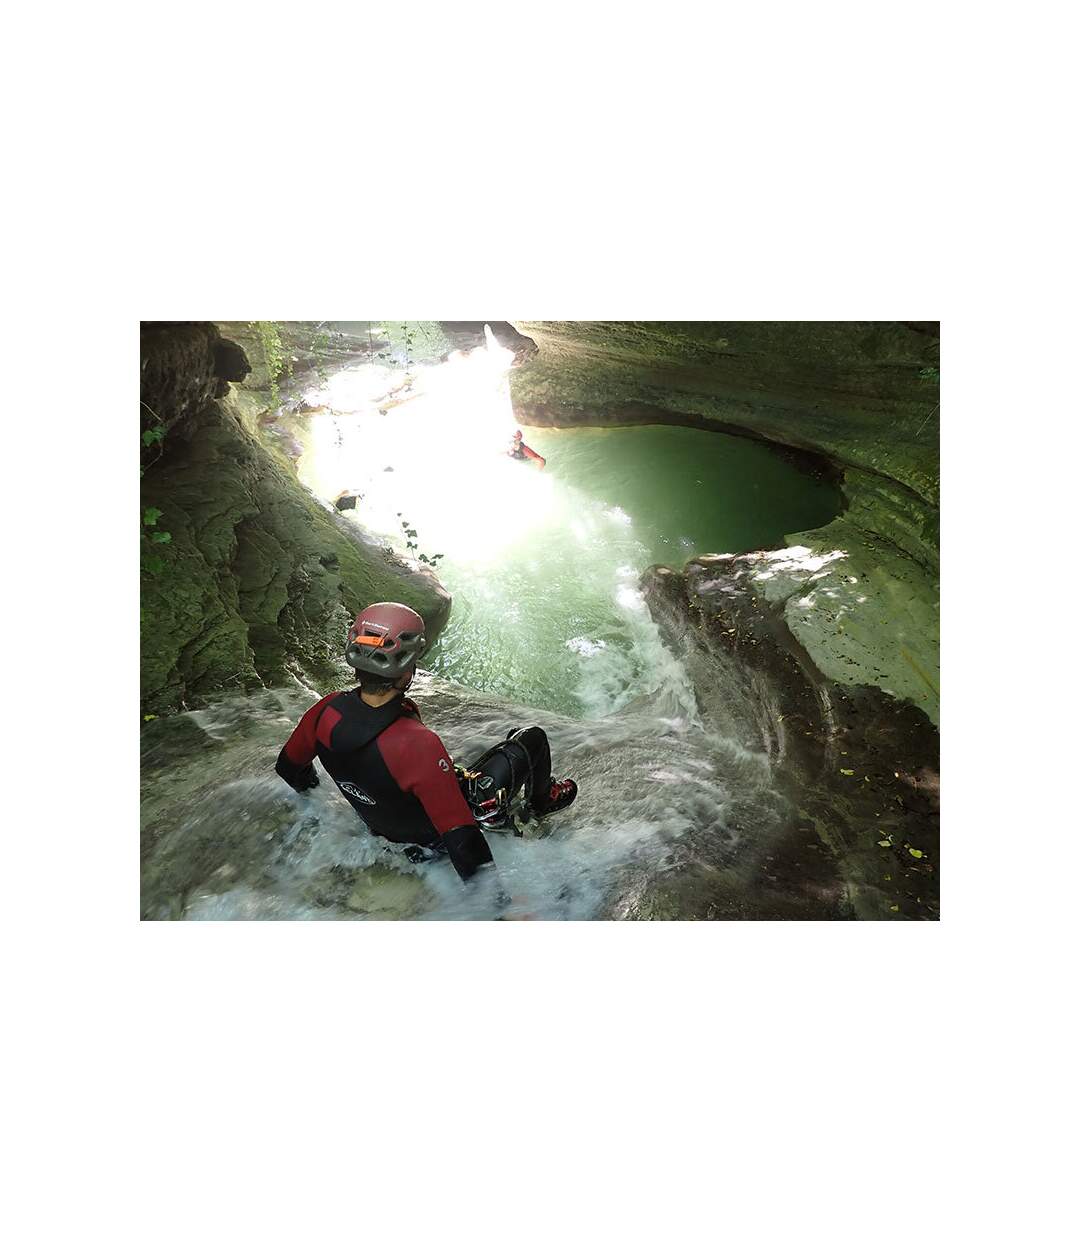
778,161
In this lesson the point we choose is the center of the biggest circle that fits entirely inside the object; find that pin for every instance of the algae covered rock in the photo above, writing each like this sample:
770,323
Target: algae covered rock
247,580
860,594
858,765
865,394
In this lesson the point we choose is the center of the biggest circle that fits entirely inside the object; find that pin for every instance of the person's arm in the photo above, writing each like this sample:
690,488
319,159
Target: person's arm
295,763
418,762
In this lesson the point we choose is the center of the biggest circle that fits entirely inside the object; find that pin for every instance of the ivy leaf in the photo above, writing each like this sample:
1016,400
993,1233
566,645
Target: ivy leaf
915,853
161,536
894,907
150,516
154,564
847,772
149,718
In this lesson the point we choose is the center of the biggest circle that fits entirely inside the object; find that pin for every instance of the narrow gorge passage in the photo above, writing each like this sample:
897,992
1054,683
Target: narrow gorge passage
657,597
544,564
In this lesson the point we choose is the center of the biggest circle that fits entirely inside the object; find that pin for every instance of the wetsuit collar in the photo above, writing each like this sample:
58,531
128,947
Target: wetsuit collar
361,723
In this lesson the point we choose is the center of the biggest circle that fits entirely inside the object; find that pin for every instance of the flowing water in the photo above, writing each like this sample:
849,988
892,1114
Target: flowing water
225,838
548,626
543,564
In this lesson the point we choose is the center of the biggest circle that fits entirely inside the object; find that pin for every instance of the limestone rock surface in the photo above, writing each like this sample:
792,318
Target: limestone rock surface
860,594
255,581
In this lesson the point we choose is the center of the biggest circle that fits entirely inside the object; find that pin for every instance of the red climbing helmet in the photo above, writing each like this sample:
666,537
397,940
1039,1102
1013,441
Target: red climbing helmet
386,640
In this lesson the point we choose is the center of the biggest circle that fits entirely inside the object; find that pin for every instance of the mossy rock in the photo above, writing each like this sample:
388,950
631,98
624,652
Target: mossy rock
257,582
864,394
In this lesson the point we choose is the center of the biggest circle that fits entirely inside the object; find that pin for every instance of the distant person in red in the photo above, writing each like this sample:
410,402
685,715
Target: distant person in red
521,452
395,772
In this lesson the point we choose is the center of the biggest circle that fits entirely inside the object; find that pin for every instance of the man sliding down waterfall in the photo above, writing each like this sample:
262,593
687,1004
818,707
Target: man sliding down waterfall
395,772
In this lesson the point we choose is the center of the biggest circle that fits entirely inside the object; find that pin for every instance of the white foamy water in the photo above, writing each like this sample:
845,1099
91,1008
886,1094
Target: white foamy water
240,844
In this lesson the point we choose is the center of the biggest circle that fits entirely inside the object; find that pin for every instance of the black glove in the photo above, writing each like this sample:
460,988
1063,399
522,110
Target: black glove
468,849
298,776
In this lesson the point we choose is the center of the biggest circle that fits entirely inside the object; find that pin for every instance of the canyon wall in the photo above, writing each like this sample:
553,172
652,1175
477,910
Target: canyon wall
246,579
860,594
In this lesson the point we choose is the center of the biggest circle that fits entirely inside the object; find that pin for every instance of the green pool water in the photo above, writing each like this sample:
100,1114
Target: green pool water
685,487
544,565
553,617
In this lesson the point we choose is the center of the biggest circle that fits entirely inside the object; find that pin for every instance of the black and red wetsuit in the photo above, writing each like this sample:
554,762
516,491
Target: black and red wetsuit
394,772
520,451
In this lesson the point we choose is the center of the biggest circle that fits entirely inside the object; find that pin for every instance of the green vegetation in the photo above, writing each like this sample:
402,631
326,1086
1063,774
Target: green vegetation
412,544
153,538
420,340
152,437
319,343
275,358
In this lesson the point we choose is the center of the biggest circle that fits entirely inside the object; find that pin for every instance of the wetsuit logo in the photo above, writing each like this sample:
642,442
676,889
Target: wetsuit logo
347,787
444,765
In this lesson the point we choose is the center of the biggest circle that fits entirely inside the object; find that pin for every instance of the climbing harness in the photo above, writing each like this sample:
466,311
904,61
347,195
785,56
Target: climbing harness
495,812
498,811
